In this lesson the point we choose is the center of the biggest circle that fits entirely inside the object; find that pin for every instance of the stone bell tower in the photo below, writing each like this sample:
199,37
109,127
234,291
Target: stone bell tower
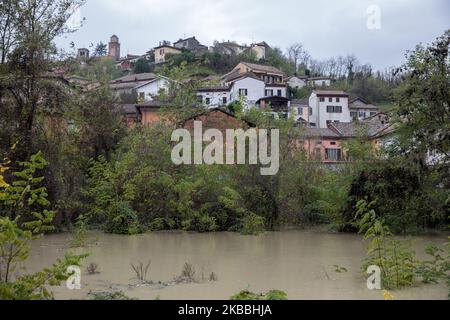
114,47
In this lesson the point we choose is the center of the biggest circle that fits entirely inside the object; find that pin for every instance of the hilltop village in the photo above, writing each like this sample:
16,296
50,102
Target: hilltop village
327,115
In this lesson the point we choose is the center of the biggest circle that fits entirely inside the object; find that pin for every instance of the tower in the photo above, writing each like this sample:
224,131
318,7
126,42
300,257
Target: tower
114,48
83,53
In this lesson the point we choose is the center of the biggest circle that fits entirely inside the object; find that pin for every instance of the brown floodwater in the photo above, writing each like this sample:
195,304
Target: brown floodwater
301,263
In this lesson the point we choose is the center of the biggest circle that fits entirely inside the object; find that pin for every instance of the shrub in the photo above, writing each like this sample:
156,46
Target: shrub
252,224
121,219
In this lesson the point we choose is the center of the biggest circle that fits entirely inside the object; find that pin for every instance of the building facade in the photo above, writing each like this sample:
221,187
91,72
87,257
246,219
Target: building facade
328,106
162,50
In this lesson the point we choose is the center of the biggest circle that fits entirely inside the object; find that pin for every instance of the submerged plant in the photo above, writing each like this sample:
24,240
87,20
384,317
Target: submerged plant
395,258
141,271
250,296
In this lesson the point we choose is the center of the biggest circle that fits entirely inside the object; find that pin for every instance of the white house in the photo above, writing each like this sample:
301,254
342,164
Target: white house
361,109
249,88
328,106
213,97
275,90
297,82
149,90
318,82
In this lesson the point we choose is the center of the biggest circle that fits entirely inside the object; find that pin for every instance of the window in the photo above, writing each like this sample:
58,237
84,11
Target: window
333,143
243,92
279,93
200,99
338,99
362,114
224,100
299,111
334,109
354,115
269,93
322,99
310,111
208,101
333,154
329,122
330,99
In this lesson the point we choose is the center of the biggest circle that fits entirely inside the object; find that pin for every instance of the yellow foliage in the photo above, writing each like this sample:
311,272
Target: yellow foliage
388,296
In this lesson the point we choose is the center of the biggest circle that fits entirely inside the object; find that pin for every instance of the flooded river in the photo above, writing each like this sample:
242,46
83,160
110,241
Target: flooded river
301,263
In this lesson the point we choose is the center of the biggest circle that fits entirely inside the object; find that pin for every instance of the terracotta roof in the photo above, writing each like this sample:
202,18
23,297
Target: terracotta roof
206,112
263,68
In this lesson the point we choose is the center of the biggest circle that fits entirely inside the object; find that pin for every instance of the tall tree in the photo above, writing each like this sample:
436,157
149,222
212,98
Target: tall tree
28,82
297,55
100,50
423,100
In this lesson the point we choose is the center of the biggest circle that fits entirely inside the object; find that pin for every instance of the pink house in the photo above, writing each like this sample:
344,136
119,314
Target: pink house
323,145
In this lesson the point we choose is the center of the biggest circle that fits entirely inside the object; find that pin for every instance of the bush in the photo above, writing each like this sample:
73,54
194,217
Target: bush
121,219
253,224
401,195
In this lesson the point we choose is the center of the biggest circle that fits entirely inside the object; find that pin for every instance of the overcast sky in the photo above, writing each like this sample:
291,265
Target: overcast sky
325,27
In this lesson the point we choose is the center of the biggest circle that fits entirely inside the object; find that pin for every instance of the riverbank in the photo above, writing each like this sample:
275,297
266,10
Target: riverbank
300,262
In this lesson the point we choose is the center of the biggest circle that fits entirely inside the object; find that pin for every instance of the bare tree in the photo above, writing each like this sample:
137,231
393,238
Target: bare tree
297,54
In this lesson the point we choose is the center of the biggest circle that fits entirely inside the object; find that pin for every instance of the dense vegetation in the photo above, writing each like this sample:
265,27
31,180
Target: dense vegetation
68,157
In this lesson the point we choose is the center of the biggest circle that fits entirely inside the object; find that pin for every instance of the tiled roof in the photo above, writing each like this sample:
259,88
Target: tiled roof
331,93
302,102
367,106
370,127
262,68
129,109
122,86
151,104
237,76
318,133
231,75
214,89
135,78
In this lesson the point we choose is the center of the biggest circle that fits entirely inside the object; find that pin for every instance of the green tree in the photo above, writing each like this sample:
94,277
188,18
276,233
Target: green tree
142,66
423,100
100,50
27,86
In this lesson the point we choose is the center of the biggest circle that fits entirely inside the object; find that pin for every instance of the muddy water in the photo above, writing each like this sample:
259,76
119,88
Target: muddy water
298,262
